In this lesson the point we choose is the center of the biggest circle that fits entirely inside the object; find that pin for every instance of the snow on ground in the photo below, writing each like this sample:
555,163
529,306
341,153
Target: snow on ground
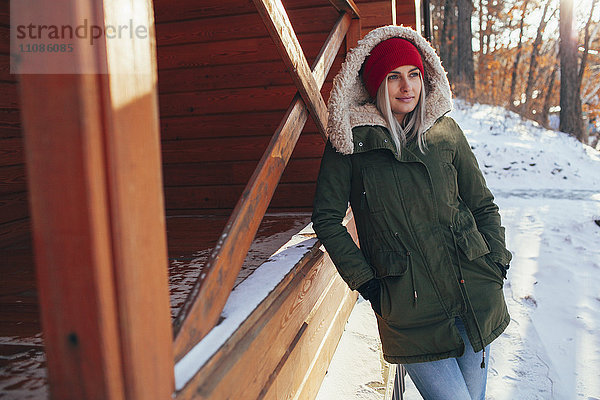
547,186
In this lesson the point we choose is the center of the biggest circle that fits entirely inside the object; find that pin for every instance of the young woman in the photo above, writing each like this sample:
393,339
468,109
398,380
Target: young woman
432,255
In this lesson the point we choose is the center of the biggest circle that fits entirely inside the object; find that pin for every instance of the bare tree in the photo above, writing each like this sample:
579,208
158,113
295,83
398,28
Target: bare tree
543,116
570,99
447,35
465,78
534,55
586,45
513,82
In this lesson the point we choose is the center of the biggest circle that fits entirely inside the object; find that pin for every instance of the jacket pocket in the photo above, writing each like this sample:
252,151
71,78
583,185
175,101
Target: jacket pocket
389,263
472,244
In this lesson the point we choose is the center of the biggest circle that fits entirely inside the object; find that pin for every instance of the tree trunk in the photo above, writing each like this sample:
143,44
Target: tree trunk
513,82
533,58
586,46
465,81
549,87
447,38
570,100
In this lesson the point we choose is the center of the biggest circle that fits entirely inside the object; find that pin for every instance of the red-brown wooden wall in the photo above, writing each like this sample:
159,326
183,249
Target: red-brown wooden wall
223,90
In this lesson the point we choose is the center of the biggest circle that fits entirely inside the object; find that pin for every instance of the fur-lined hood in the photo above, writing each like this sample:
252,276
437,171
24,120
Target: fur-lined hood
350,104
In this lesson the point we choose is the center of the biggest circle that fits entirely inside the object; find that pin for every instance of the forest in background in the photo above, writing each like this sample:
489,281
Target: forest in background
539,58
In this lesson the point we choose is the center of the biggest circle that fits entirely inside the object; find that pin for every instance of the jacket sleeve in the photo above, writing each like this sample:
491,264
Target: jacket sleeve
329,209
474,192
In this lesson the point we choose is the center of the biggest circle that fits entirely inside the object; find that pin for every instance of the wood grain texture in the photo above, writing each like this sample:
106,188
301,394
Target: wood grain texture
302,371
12,179
138,230
242,26
102,259
11,152
266,343
279,26
348,6
231,52
192,9
207,299
13,206
82,354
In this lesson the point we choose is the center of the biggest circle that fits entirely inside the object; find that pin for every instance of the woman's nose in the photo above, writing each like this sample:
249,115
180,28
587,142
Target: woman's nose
403,84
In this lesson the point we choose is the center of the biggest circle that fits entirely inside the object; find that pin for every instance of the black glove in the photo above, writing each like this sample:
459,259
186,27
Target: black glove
503,268
371,291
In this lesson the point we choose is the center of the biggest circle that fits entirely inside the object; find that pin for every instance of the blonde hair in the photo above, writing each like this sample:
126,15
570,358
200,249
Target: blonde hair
412,124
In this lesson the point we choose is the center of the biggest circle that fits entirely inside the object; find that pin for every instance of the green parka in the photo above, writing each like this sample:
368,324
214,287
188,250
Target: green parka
428,228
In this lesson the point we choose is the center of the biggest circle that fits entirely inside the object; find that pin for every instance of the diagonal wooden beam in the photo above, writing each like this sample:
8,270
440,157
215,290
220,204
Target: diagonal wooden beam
203,307
279,26
347,6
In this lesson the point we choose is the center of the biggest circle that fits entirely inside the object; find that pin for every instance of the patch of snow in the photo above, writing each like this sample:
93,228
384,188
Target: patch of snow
242,301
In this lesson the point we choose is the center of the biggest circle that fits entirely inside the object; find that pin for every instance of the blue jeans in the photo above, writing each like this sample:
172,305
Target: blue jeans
459,378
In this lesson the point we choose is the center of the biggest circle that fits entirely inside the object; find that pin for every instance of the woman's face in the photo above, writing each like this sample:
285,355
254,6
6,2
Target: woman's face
404,90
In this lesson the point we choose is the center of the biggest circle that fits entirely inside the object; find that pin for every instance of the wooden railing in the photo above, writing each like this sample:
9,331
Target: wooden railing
205,303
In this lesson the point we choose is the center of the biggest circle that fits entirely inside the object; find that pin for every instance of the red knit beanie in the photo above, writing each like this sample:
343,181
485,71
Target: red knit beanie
387,56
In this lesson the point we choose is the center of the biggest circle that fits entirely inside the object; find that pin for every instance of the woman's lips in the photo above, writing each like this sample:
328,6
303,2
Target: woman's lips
405,99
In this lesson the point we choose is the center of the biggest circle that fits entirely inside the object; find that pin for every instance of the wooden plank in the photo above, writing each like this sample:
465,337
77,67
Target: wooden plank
10,117
197,317
10,131
5,39
255,322
227,100
268,340
406,16
8,95
272,73
241,100
279,26
375,14
230,52
244,26
102,259
316,373
16,234
192,9
230,149
354,34
307,363
82,353
11,152
347,6
5,12
219,196
235,172
225,125
5,74
134,180
333,44
220,125
12,179
13,207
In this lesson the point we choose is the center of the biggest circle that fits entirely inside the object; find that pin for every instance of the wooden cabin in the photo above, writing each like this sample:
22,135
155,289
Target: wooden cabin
134,200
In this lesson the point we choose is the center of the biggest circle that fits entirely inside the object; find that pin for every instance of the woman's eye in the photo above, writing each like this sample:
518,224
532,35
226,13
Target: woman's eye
414,75
392,77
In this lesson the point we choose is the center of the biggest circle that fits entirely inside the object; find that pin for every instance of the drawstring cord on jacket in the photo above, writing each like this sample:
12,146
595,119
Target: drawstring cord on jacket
412,277
462,282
